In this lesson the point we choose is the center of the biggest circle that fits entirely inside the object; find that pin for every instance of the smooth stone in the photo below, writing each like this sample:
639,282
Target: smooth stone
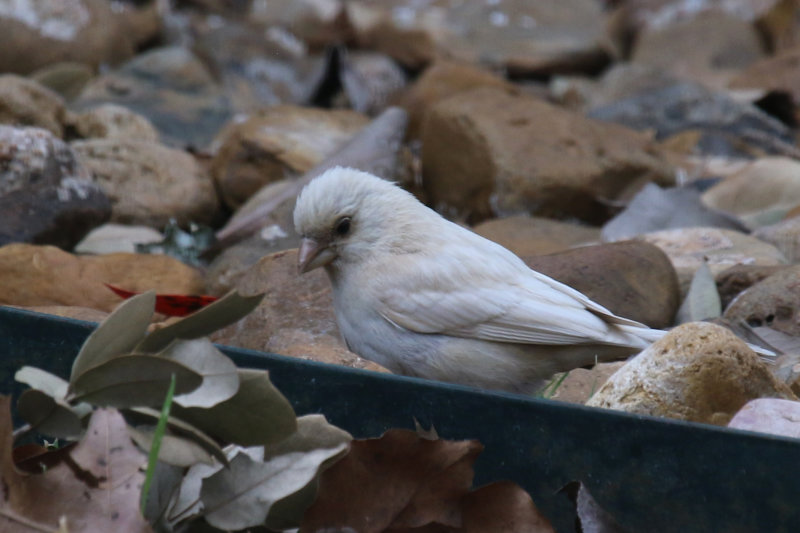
771,302
732,281
24,102
525,235
111,121
769,415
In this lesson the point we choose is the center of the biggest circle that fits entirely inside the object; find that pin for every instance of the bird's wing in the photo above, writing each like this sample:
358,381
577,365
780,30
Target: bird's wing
498,299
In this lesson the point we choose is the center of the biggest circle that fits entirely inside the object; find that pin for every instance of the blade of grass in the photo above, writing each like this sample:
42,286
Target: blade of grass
553,386
161,428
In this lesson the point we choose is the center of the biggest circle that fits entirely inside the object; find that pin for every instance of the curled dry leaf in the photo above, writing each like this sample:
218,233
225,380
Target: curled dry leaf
49,416
132,380
502,507
702,301
207,320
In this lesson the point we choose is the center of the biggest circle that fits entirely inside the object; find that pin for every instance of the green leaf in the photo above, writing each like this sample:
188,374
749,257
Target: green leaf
241,496
220,377
132,381
50,416
257,415
155,443
117,334
207,320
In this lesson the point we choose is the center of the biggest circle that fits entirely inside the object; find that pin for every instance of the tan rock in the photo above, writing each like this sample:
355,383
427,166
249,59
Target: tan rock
489,152
35,276
26,103
633,279
440,80
296,316
688,248
581,383
149,183
761,193
112,121
710,47
773,302
699,372
277,142
525,235
67,78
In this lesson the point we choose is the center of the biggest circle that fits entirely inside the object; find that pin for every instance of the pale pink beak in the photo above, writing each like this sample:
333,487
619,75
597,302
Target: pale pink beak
313,254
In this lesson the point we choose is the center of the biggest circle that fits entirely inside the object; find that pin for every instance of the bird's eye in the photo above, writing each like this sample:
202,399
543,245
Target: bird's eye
343,226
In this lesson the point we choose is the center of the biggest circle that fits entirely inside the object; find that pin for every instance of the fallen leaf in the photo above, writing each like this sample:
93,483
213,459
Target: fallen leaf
702,301
132,381
51,417
176,451
398,480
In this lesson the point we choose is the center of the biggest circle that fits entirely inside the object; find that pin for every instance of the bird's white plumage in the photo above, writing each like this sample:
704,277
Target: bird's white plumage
409,284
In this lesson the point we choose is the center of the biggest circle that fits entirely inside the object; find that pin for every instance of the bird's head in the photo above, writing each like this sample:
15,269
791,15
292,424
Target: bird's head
344,214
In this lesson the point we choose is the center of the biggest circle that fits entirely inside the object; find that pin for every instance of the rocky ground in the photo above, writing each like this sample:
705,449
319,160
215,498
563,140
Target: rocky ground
643,151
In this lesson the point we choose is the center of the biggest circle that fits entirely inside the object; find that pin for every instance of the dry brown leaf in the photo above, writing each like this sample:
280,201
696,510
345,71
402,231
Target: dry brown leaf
399,480
96,487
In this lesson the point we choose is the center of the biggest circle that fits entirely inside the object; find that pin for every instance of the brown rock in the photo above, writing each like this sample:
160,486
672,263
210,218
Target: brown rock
149,183
581,383
761,193
526,235
440,80
733,280
699,372
771,302
94,32
46,195
488,152
46,276
296,316
275,142
688,248
26,103
710,47
317,23
633,279
111,121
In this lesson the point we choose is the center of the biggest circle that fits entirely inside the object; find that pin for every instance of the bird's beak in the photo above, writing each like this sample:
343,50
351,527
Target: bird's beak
313,254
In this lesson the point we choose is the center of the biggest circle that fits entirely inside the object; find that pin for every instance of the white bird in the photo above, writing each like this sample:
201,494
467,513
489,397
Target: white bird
424,297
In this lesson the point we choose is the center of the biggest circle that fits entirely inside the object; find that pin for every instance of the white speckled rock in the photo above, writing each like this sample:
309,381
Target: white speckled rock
699,372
